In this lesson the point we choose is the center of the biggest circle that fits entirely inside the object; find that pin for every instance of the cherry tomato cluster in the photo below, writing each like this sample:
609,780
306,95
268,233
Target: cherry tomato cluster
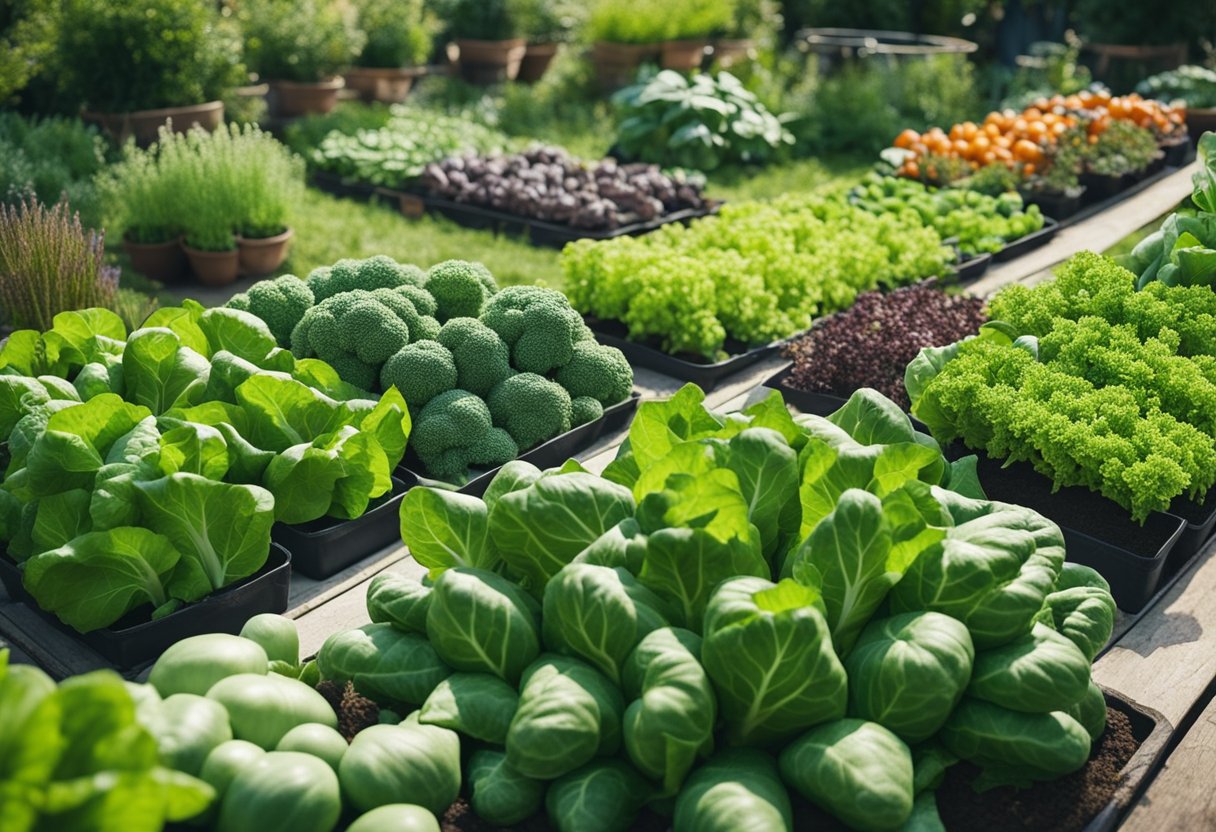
1021,141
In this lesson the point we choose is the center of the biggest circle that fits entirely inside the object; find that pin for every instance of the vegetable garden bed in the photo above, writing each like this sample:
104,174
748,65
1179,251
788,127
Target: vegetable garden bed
135,639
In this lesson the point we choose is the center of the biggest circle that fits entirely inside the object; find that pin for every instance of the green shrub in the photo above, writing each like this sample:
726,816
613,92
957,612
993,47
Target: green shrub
53,158
549,21
627,21
479,19
399,33
49,264
27,39
305,41
144,54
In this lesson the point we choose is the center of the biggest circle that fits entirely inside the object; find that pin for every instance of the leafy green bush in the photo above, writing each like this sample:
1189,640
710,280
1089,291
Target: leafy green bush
702,123
49,264
156,53
1123,147
305,134
752,274
305,41
399,32
27,40
550,21
479,19
1196,85
627,21
52,157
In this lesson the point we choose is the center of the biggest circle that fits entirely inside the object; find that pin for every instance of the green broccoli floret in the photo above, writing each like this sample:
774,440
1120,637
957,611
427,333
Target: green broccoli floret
421,325
585,409
421,371
454,431
421,298
353,325
460,288
538,325
353,371
531,408
482,360
379,272
280,303
597,371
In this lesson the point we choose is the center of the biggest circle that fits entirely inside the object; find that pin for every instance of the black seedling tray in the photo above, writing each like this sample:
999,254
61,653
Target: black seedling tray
819,404
545,455
539,232
1200,523
1062,206
1153,732
326,546
1029,242
1179,152
684,366
972,268
134,640
1131,557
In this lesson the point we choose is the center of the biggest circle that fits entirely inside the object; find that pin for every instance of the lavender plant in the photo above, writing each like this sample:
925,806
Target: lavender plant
49,264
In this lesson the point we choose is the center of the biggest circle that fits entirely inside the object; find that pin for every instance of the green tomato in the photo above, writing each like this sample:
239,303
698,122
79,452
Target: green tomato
276,634
263,709
226,761
284,791
320,741
387,764
197,663
396,817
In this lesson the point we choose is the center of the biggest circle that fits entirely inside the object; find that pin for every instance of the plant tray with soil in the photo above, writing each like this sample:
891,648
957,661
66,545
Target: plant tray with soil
684,366
135,639
326,546
548,454
1029,242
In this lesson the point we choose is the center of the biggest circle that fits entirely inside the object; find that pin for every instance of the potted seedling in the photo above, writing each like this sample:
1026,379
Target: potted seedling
399,34
547,24
268,180
138,201
188,56
625,34
689,24
301,48
487,37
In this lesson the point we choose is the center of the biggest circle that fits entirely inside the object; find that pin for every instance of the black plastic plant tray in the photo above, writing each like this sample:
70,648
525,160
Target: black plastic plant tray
336,185
327,546
684,366
1200,524
1097,532
972,268
819,404
1153,732
134,640
1178,152
545,455
1029,242
1061,206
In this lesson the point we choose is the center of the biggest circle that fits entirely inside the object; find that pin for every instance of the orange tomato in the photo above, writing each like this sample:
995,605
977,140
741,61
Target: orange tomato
907,138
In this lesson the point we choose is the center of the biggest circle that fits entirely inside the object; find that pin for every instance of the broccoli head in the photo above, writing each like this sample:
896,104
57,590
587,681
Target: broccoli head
585,409
421,325
482,360
280,303
353,325
455,430
421,371
531,408
597,371
379,272
460,288
537,324
421,298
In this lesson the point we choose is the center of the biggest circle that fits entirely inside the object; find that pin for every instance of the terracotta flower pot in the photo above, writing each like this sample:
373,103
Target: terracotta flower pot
389,86
730,52
261,256
491,61
536,62
165,262
214,268
289,98
616,64
683,55
145,125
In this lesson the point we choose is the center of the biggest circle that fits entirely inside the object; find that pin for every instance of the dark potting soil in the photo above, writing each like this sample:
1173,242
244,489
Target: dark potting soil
354,712
1063,805
1189,510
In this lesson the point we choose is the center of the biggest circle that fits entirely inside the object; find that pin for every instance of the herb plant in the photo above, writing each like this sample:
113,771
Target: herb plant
50,264
157,53
399,33
627,21
700,123
754,273
304,42
870,343
52,157
1122,147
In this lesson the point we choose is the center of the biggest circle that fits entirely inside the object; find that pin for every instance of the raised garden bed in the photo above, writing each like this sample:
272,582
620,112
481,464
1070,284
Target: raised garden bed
134,639
326,546
545,455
